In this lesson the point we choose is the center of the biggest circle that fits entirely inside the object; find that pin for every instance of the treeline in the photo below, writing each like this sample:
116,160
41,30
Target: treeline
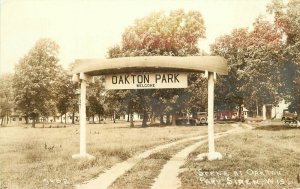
40,87
264,68
264,63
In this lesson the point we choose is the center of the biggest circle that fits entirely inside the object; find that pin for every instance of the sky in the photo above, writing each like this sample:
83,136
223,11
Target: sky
87,28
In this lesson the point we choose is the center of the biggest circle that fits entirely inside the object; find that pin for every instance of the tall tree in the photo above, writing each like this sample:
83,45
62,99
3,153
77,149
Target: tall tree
95,98
287,21
65,95
255,63
264,64
34,77
233,47
173,34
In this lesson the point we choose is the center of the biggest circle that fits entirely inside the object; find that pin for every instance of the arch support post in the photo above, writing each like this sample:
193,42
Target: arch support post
82,111
212,154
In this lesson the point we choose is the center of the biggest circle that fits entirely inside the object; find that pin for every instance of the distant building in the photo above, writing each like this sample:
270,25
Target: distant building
231,115
136,117
277,111
225,115
245,112
17,117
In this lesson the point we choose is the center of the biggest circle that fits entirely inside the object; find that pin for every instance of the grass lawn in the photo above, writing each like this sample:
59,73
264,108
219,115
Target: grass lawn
41,157
266,157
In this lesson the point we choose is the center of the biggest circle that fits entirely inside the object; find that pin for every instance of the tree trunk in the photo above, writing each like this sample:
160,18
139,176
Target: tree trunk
73,117
145,119
174,119
168,119
33,122
65,118
26,120
240,112
161,120
7,118
93,118
2,121
131,120
256,108
152,120
298,103
61,118
114,117
128,118
99,116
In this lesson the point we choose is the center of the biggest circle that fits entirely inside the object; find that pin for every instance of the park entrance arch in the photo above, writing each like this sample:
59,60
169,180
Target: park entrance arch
83,71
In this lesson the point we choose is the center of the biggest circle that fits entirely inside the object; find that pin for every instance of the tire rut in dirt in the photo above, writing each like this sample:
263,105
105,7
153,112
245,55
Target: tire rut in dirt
143,174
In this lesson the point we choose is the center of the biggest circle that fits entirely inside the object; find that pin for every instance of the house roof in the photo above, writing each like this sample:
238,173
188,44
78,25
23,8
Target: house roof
95,67
245,109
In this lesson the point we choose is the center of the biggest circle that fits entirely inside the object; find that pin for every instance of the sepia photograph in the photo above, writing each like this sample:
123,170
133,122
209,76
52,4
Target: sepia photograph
140,94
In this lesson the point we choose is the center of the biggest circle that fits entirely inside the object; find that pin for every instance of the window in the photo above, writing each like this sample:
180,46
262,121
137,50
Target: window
20,119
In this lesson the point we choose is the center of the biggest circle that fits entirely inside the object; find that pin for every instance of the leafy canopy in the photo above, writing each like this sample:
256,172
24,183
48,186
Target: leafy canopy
34,78
160,34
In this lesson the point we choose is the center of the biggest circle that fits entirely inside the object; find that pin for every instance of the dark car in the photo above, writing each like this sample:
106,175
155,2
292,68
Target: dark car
289,117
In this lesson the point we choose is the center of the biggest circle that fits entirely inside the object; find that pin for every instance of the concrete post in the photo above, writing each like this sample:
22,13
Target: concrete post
83,117
82,111
210,119
212,154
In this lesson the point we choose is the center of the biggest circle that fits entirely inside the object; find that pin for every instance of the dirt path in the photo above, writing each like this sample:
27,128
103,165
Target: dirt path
106,179
248,126
168,178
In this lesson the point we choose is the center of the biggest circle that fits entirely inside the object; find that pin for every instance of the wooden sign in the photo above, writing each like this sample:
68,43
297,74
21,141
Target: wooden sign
146,81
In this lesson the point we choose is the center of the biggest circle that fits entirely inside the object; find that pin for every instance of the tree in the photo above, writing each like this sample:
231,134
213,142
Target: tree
65,93
233,48
287,21
34,77
95,98
6,97
255,62
173,34
263,72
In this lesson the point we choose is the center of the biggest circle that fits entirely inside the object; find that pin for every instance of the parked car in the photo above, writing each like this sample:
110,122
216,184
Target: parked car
288,117
201,118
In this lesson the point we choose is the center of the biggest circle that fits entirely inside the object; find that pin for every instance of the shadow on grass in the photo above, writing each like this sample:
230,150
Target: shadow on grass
276,127
227,122
139,126
135,127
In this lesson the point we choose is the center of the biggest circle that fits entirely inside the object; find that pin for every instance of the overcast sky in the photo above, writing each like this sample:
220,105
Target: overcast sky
86,28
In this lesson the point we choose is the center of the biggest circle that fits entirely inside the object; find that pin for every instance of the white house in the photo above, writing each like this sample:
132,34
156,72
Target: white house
277,111
136,117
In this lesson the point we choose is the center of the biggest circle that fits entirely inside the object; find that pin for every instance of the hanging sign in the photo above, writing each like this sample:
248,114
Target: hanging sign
146,81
